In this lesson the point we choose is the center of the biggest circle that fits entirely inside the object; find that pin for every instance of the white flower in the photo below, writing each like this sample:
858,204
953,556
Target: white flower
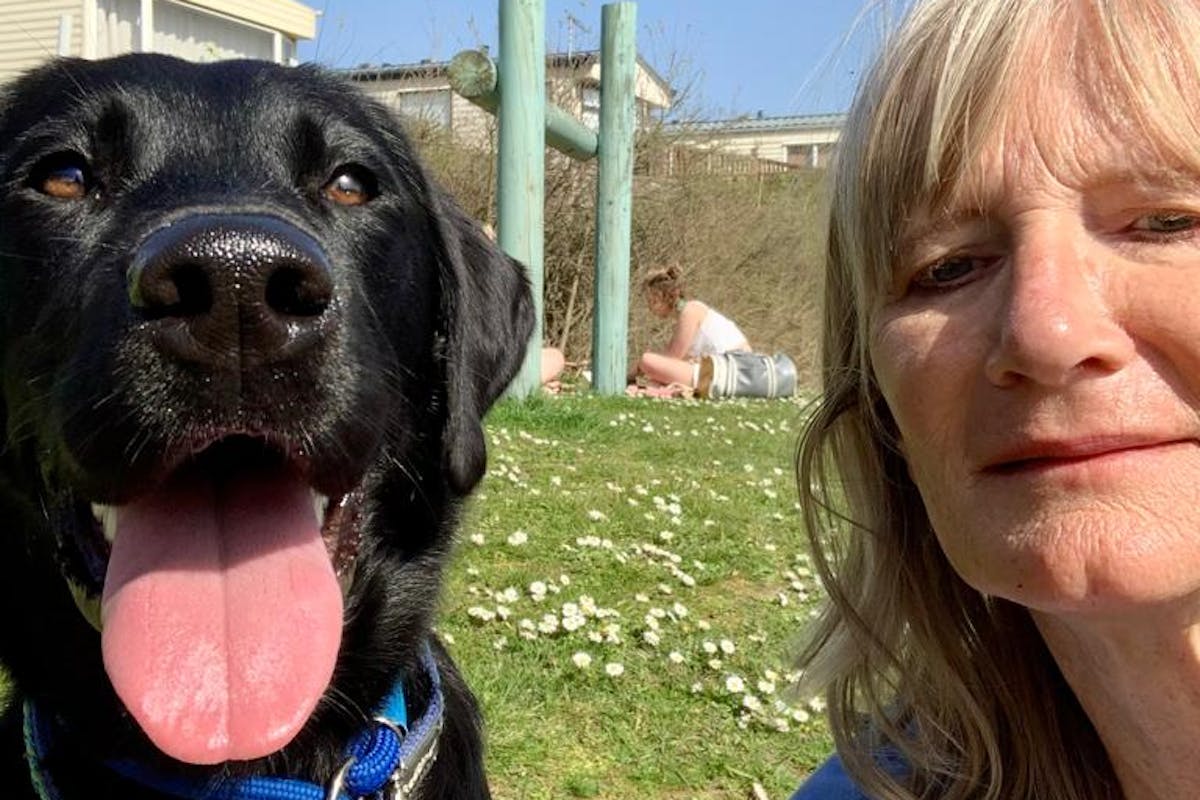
518,538
675,657
800,715
581,660
477,538
727,647
680,610
703,624
480,613
555,480
734,684
697,687
641,597
564,579
537,589
509,595
766,687
500,643
549,624
595,636
651,638
614,669
715,664
596,516
817,704
709,647
573,623
752,703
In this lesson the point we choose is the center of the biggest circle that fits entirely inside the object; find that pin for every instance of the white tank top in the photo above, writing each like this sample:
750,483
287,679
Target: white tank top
717,334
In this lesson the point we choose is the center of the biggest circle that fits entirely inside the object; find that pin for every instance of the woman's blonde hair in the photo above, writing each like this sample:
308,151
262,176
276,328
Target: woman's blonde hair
911,658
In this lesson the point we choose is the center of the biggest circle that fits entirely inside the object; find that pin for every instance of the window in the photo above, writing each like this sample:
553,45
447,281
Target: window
427,106
589,112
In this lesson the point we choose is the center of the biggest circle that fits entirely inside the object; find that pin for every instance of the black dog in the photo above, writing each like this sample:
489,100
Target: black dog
247,346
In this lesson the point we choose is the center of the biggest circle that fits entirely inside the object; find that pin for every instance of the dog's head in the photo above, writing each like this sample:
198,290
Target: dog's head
247,347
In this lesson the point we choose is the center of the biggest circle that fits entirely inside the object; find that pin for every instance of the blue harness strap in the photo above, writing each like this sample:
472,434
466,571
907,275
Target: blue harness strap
385,755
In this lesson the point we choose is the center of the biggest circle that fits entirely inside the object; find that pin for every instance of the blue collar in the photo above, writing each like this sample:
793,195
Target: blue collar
388,759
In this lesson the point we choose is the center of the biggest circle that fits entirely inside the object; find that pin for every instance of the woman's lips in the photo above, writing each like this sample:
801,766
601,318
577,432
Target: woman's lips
1046,455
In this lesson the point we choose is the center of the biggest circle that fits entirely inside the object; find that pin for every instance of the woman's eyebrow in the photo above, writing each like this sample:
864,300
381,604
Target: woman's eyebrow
1180,179
927,228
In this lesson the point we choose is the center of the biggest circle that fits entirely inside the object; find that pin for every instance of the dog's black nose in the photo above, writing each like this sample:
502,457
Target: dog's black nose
226,289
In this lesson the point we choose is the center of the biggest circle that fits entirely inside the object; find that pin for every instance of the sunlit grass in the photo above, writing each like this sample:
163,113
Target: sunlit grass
630,585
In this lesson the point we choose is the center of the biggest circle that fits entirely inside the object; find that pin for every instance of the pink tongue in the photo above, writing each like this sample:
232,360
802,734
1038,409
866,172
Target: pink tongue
222,615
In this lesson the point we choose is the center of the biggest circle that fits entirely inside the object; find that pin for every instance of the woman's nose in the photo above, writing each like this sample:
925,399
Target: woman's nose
1057,323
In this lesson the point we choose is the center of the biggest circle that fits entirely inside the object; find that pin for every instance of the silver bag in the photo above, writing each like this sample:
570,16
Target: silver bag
746,374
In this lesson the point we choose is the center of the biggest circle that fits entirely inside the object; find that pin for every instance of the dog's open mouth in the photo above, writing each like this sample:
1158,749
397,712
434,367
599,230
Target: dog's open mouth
221,611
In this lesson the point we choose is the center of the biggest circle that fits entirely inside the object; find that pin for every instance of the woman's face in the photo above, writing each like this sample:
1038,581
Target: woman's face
1040,353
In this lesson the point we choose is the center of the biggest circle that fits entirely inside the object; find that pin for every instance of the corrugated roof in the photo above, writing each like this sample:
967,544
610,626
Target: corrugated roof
756,123
431,69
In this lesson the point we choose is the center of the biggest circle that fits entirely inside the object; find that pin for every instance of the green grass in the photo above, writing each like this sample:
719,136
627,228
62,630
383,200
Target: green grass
639,505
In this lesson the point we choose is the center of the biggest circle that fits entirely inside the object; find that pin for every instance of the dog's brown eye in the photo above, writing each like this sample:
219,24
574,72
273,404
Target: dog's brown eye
63,176
350,185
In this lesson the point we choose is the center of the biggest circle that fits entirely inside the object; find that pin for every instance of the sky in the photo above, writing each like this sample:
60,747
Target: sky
725,58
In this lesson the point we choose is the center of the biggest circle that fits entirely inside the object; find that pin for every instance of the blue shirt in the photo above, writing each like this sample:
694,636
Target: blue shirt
831,782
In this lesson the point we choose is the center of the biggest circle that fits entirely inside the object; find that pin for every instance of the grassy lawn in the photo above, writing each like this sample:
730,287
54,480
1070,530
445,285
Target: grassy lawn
653,539
629,585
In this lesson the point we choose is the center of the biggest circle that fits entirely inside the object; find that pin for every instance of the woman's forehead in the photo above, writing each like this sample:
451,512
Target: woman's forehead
1060,135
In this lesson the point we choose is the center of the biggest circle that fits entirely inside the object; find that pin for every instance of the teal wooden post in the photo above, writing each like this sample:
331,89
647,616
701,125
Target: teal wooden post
614,202
522,167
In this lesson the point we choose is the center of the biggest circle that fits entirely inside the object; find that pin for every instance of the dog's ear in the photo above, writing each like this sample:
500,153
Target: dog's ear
488,315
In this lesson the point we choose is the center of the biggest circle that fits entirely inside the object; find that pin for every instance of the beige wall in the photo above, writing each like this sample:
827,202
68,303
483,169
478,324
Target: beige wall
773,145
292,18
29,29
470,123
29,32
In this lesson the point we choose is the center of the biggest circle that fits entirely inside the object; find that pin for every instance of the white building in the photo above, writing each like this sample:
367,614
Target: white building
422,91
797,141
32,31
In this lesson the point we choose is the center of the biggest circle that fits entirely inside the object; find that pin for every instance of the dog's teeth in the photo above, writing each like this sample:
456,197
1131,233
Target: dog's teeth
320,505
107,517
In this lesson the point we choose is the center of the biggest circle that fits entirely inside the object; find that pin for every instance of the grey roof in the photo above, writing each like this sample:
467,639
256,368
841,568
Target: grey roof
760,123
432,69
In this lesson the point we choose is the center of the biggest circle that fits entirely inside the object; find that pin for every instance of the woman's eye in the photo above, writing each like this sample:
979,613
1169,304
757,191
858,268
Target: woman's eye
1166,222
350,185
948,273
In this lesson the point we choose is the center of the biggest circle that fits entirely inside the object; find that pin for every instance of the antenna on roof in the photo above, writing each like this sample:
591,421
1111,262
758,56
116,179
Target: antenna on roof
573,24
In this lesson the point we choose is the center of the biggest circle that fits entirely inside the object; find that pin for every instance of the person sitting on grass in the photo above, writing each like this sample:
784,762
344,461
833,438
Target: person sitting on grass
699,331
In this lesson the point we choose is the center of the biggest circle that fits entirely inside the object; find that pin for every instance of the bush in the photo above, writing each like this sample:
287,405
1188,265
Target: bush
750,245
